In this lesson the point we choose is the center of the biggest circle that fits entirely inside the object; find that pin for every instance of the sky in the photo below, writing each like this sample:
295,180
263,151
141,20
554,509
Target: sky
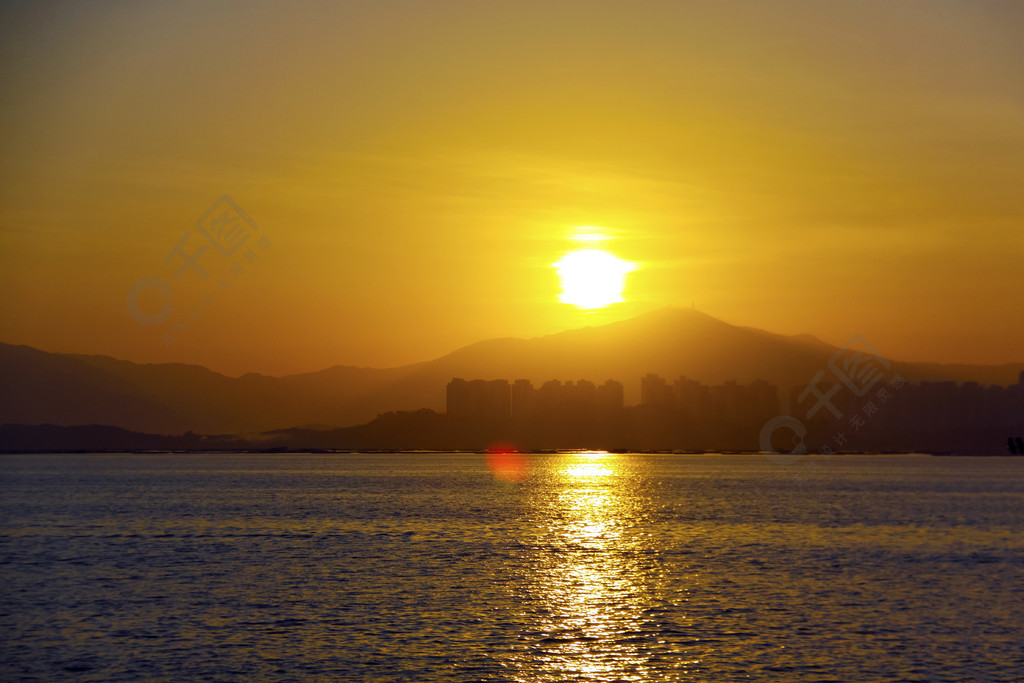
381,183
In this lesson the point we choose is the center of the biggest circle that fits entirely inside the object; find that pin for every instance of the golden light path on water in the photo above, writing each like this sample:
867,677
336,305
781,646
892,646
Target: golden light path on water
595,575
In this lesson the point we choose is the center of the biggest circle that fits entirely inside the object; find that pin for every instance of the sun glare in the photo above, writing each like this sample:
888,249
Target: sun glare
589,234
592,278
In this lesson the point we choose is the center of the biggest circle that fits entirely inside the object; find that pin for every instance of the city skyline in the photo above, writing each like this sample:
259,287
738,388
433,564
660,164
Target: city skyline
682,415
173,398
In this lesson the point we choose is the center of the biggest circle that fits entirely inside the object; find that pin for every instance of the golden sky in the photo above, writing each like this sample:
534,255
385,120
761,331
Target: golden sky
414,169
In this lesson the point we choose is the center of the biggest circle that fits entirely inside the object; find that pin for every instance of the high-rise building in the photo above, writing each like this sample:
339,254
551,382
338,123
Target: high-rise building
654,391
610,396
478,398
764,399
524,398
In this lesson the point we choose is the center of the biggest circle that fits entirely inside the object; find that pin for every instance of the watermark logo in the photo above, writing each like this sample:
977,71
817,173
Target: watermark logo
226,226
236,241
799,433
860,369
858,365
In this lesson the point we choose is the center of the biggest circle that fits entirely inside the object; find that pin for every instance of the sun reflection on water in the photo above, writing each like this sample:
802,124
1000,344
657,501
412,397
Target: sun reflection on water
588,470
591,575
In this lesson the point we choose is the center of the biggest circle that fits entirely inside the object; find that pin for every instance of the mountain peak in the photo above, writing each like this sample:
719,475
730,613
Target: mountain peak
672,315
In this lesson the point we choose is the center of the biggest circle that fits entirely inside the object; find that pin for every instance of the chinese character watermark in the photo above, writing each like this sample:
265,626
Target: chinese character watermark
859,369
237,244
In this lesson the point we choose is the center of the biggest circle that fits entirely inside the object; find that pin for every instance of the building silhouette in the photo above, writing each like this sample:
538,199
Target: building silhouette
565,399
728,402
610,396
524,399
521,400
478,398
688,415
654,391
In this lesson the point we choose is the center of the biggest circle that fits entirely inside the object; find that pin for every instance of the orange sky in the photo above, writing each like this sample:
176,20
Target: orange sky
830,168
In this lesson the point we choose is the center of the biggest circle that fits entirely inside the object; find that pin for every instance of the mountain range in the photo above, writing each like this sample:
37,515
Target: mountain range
173,398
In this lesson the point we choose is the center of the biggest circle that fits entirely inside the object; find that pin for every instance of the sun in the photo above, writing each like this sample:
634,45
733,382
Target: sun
592,278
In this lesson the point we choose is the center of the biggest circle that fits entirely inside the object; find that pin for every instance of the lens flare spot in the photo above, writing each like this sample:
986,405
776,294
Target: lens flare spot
505,462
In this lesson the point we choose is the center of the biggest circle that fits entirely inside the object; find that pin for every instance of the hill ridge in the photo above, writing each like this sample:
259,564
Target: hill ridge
171,398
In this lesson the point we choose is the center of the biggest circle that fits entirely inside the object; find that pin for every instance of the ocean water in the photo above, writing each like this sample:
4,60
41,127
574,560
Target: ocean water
462,567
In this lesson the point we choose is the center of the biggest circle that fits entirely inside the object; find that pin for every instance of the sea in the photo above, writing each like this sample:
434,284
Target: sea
582,566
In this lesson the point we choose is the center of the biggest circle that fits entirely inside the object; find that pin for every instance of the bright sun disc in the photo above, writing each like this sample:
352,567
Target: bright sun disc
592,278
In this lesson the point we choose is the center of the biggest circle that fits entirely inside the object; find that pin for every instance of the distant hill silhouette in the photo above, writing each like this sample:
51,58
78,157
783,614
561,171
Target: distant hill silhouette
171,398
17,438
